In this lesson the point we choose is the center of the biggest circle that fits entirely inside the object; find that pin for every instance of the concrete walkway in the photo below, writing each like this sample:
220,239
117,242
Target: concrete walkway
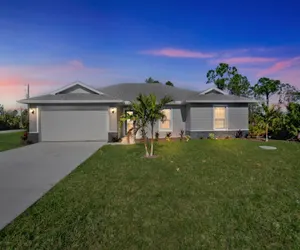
27,173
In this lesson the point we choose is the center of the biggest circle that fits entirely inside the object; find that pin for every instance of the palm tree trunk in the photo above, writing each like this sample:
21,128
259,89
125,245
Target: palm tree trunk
145,142
152,138
146,148
267,129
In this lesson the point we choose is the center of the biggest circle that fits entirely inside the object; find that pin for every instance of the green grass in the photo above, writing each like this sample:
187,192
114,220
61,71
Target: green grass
10,140
204,194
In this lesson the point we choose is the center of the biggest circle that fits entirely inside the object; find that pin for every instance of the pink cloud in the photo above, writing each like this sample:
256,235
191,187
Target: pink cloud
279,66
42,79
246,60
170,52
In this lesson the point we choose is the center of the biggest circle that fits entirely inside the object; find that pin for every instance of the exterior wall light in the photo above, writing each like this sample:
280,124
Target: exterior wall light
113,110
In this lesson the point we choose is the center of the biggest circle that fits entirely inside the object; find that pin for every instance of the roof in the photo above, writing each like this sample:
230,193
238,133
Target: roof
127,92
217,98
72,98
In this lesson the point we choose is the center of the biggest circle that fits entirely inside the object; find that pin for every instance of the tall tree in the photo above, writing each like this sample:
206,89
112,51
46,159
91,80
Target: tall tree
266,87
239,85
151,80
221,75
169,83
228,78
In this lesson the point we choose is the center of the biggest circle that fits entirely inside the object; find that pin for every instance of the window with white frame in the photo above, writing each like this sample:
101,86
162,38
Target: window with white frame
166,124
220,117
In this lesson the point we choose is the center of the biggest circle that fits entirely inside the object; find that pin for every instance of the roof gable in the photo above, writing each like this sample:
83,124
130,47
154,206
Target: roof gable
77,88
213,91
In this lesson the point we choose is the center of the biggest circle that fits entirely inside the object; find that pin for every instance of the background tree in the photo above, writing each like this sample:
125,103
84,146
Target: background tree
288,93
151,80
169,83
221,75
1,110
266,87
239,86
292,119
226,77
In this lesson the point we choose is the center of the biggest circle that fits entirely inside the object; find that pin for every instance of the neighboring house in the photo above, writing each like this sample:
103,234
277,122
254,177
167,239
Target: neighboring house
79,112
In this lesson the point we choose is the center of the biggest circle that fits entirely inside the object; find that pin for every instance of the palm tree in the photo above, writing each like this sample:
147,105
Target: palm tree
139,118
267,117
155,113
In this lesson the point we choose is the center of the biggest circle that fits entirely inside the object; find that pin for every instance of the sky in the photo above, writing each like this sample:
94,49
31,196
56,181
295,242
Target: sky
49,44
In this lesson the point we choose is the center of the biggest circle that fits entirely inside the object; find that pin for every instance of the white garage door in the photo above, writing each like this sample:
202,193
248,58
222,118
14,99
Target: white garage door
67,125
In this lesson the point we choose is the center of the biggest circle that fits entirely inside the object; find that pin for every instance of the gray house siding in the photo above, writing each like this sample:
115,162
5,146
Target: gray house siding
200,120
201,117
77,90
179,116
179,120
33,119
238,116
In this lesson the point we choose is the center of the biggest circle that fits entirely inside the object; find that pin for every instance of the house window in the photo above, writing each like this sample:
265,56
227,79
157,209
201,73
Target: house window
220,118
166,125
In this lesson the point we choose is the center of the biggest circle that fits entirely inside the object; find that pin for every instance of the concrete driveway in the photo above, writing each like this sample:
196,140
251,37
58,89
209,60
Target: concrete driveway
27,173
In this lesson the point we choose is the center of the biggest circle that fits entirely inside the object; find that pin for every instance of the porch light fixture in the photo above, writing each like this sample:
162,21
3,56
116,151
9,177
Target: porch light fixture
113,110
32,111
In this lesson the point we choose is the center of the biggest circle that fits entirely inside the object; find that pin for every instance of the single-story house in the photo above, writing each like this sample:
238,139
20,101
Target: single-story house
78,112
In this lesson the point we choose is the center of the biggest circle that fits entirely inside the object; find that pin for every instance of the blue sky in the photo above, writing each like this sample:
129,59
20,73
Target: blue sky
52,43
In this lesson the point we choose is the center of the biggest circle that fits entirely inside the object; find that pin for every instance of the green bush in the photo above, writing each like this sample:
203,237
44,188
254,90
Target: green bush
211,136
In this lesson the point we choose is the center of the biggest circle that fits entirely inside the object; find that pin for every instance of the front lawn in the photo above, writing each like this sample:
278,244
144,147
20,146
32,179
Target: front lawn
204,194
10,140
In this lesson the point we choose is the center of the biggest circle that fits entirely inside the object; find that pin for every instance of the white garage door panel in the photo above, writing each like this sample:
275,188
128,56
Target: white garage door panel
83,125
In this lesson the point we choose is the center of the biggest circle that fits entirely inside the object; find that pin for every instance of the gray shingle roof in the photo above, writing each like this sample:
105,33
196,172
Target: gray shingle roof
129,91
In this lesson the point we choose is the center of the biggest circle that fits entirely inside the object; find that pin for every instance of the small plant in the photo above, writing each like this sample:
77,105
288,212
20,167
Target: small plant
181,134
239,134
168,136
201,138
187,138
156,136
211,136
116,139
24,137
228,137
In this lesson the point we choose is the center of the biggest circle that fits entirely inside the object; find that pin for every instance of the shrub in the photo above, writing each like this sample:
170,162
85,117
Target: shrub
168,136
211,136
239,134
201,138
156,135
256,131
228,137
181,134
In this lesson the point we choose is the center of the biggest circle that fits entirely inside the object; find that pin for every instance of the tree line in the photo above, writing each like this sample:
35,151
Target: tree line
13,119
